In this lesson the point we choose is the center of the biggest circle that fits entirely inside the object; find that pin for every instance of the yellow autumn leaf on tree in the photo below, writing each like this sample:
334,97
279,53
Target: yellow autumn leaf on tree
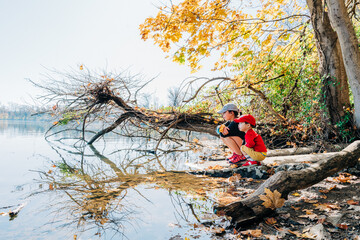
272,200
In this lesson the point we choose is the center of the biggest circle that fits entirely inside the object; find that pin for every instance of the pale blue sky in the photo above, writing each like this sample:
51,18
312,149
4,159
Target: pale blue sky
63,34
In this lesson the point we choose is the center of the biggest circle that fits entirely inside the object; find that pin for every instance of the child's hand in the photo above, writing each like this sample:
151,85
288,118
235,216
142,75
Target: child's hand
225,131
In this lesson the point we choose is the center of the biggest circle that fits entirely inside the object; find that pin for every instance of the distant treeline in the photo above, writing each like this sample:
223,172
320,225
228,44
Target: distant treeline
14,111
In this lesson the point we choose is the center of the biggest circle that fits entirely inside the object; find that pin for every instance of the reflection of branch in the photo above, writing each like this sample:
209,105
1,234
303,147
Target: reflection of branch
106,160
165,131
193,212
121,119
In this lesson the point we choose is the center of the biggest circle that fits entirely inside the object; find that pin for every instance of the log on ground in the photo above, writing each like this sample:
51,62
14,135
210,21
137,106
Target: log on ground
252,208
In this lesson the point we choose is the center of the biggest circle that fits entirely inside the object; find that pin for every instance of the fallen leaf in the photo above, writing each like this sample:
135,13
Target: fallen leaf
295,208
327,190
296,233
51,187
296,194
216,167
308,211
217,230
352,202
234,178
270,221
308,235
327,207
252,233
226,198
343,226
310,216
272,200
310,201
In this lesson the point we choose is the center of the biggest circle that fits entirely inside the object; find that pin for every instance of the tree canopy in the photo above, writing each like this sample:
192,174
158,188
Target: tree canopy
272,49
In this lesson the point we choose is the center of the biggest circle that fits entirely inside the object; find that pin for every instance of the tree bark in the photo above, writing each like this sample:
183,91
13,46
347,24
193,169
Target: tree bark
343,26
335,89
251,208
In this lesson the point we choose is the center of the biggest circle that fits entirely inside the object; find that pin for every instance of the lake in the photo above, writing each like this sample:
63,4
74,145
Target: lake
114,190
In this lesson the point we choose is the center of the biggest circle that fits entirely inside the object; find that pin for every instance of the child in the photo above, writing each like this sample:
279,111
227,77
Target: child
230,134
254,149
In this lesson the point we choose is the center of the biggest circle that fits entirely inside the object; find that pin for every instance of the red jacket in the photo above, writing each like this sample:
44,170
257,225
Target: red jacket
254,140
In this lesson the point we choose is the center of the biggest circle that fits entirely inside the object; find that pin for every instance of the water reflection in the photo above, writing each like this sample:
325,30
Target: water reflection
25,128
107,194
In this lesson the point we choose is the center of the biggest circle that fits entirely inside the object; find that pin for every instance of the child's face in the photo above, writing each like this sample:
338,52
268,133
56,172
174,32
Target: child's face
244,126
228,115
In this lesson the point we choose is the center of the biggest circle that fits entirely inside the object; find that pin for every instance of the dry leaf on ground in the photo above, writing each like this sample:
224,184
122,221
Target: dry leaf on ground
270,221
352,202
272,200
252,233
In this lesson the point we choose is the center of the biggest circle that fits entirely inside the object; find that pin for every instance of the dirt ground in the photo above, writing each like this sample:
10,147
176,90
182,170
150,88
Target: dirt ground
327,210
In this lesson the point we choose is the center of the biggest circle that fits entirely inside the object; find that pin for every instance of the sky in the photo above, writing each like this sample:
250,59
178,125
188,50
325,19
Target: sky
36,35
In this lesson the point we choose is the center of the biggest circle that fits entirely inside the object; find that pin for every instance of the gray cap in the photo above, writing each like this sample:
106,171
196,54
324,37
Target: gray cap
229,107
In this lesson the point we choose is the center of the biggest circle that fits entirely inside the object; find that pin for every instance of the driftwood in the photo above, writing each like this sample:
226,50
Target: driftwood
252,208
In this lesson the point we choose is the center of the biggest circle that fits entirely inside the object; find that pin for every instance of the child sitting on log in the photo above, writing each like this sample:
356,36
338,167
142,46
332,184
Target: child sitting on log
230,133
254,149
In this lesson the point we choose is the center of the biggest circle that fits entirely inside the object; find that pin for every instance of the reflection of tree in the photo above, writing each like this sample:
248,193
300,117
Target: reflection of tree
96,192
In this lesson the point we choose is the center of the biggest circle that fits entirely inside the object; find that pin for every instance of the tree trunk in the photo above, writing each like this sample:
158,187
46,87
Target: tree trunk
252,207
335,89
343,26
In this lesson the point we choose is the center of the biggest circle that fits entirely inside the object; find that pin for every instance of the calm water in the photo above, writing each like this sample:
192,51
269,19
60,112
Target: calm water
112,191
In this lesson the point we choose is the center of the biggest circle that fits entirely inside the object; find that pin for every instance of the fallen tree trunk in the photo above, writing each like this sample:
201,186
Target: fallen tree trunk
302,150
252,208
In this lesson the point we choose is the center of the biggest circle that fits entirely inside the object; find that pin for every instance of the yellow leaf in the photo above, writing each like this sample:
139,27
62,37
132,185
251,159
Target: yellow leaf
221,128
296,194
272,200
252,233
81,67
352,202
270,221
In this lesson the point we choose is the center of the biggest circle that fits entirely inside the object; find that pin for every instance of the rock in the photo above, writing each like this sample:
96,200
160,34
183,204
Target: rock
334,218
176,237
356,208
255,172
319,232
